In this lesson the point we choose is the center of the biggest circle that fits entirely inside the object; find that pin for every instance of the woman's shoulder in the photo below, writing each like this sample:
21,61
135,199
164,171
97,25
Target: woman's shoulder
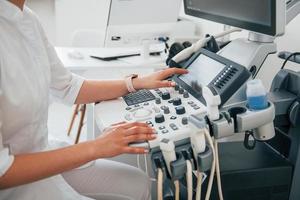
34,17
30,13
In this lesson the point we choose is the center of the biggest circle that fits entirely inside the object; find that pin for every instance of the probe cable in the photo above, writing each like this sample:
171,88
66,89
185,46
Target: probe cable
159,184
213,167
288,58
199,185
189,179
219,183
177,190
186,53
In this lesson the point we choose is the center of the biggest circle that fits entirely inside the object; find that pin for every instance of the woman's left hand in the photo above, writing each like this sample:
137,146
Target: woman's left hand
157,79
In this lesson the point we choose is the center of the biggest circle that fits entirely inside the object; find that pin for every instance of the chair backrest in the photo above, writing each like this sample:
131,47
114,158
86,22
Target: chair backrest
88,38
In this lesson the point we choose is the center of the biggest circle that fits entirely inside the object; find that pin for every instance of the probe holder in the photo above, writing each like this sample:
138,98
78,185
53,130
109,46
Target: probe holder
223,127
178,167
205,159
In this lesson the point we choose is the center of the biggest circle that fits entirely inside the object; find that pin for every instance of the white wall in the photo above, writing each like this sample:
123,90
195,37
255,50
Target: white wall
46,11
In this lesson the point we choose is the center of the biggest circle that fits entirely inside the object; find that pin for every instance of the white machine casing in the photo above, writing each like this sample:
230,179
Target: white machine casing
167,148
212,103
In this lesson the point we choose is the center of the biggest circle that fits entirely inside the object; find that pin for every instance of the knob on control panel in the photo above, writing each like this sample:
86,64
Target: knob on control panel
166,96
159,118
177,102
166,110
184,121
180,110
181,91
158,101
176,87
186,94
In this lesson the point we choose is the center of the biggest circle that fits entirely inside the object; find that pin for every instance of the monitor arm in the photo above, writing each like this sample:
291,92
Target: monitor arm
292,10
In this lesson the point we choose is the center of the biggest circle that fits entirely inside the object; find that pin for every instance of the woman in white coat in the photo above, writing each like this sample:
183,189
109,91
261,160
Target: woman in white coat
29,170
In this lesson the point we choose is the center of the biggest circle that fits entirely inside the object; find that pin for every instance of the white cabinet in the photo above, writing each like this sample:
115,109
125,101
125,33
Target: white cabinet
72,15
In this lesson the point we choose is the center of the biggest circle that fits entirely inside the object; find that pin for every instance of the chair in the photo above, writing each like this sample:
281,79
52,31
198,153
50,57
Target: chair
84,38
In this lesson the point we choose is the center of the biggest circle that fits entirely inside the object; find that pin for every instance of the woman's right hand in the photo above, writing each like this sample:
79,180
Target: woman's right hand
116,139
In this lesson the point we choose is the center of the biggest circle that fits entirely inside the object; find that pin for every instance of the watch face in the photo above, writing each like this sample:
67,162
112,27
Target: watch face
132,76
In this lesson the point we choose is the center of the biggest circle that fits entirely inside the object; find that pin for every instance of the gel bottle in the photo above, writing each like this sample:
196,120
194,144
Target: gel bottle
256,95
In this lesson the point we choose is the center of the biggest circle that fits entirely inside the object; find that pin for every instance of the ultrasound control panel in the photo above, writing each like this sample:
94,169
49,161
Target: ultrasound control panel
168,112
168,109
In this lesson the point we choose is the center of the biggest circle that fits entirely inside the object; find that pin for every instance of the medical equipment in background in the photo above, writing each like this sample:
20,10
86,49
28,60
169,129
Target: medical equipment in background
141,20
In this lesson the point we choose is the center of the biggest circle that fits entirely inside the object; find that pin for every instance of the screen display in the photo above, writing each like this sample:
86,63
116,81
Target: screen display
201,72
254,11
255,15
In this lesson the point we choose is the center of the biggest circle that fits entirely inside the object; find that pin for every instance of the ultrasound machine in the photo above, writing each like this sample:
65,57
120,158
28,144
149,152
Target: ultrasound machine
194,155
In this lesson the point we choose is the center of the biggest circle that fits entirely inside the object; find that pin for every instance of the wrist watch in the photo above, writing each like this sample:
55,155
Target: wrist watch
129,83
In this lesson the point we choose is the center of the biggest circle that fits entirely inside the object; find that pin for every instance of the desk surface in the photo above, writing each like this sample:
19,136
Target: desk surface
88,63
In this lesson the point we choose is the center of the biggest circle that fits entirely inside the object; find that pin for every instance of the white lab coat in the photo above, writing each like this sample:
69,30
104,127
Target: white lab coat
29,72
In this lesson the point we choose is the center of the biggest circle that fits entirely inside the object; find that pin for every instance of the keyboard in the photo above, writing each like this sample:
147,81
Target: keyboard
138,97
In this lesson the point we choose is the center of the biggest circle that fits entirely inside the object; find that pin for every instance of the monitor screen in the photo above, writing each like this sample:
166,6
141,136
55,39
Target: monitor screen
253,15
201,72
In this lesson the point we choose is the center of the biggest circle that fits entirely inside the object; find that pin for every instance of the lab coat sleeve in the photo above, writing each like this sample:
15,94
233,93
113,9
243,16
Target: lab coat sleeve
6,160
64,85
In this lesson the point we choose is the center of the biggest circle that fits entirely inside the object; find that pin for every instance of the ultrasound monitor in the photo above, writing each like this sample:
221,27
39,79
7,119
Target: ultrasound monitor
261,16
207,69
201,72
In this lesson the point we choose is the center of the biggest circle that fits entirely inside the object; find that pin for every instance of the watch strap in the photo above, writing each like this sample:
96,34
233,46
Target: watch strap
129,83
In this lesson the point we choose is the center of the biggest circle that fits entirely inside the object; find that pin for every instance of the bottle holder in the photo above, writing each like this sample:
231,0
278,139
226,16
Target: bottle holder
240,119
252,119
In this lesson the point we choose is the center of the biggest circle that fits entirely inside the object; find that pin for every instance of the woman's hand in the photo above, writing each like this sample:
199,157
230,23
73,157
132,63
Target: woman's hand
116,139
157,79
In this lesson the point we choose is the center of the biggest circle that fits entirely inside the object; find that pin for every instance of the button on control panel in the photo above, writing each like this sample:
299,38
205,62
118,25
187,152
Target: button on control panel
225,76
166,96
